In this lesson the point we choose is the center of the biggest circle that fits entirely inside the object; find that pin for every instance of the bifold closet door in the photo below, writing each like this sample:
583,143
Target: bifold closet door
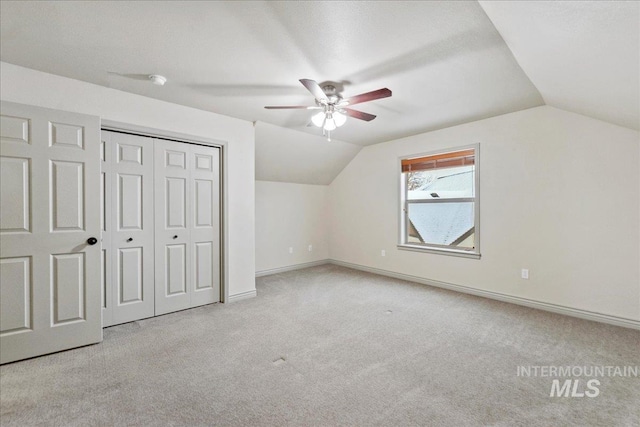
49,231
128,229
187,239
205,230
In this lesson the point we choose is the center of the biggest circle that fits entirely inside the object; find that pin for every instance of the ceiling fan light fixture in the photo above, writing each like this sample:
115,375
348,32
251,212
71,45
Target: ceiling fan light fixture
334,112
330,125
339,118
318,119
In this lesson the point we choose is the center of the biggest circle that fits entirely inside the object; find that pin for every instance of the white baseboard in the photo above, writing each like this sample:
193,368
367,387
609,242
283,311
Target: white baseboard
291,268
554,308
242,295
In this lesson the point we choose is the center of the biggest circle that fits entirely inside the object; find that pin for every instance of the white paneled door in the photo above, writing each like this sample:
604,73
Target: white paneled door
128,231
187,222
49,231
205,229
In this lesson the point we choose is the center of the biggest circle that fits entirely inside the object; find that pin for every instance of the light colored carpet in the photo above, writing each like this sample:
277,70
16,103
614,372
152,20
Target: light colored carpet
329,346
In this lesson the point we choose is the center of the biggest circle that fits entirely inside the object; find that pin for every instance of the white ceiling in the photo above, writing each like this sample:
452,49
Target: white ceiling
583,56
446,62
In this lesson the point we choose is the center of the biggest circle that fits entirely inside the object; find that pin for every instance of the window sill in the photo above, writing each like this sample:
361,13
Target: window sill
431,250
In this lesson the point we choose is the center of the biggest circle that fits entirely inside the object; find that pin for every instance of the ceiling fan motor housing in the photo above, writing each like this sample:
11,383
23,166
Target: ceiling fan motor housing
332,93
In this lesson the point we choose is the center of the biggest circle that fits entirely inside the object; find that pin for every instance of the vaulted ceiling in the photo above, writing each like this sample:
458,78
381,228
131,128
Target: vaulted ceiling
446,62
583,56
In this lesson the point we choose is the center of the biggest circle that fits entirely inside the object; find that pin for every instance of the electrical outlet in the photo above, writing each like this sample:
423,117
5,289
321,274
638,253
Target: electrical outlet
524,273
310,248
290,249
383,253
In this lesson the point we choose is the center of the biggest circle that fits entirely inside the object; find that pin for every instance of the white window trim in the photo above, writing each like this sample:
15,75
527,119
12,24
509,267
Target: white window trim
402,214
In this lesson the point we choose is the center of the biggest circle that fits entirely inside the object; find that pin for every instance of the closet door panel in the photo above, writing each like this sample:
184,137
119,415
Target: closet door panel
203,277
130,198
106,268
173,220
205,232
176,269
176,203
130,280
132,227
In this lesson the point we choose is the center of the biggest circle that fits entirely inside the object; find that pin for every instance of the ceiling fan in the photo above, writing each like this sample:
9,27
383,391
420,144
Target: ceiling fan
335,108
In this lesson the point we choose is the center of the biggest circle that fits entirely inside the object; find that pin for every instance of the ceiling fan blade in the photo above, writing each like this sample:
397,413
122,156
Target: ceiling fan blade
315,89
366,97
290,107
358,114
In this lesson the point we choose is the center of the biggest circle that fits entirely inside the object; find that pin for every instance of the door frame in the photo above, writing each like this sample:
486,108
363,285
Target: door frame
110,125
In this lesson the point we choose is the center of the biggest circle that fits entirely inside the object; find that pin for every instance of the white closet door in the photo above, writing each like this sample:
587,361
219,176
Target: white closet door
132,230
49,229
106,268
205,231
173,223
187,201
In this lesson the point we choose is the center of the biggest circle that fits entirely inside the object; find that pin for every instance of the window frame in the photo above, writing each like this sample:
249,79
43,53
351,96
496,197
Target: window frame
403,204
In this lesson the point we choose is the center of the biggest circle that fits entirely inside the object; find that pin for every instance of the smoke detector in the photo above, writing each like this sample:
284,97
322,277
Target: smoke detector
157,79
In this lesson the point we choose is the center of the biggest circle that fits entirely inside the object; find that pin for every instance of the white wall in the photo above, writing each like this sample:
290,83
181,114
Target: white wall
290,215
560,195
32,87
287,155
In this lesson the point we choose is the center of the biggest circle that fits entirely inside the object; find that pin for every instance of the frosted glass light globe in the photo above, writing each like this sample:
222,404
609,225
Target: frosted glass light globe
330,124
318,119
339,118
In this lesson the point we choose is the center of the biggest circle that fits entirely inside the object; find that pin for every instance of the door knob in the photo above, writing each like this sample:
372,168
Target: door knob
130,239
175,237
92,241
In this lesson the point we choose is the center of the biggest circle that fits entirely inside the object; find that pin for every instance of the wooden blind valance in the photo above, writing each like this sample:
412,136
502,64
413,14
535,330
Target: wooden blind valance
439,161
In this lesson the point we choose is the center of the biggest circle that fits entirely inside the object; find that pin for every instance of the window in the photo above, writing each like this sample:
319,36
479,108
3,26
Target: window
440,202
